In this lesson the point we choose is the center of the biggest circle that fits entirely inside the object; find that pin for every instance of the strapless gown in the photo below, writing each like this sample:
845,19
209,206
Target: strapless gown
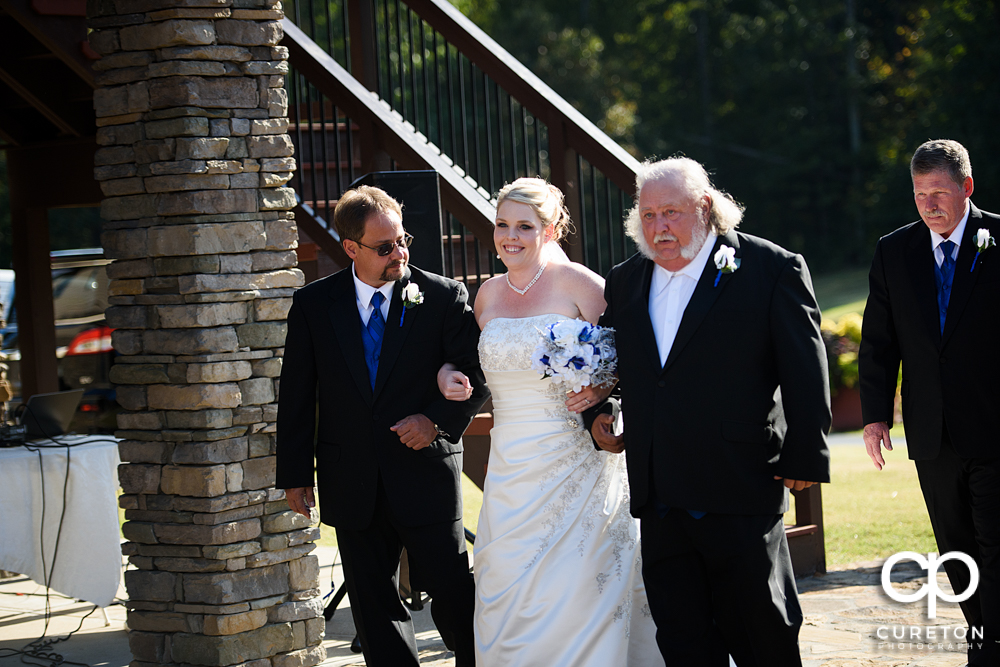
557,564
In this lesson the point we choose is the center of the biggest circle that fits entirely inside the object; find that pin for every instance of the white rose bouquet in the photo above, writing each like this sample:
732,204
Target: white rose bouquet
577,354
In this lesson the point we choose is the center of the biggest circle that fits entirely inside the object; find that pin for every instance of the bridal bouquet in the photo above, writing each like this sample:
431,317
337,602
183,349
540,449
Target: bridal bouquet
577,354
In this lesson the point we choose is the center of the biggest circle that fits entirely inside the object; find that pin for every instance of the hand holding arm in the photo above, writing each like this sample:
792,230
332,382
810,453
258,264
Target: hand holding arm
876,434
453,383
586,398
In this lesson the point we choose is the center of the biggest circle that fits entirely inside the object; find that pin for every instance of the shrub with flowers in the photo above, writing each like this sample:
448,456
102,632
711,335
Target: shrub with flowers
843,339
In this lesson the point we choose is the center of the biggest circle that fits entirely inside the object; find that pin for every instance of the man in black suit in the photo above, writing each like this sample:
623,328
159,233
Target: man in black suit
726,406
367,342
934,306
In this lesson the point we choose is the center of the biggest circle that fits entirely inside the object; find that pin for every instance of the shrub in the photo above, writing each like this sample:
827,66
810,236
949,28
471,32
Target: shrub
843,339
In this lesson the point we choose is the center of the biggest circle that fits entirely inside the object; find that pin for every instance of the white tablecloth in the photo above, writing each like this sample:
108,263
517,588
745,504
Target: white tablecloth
88,562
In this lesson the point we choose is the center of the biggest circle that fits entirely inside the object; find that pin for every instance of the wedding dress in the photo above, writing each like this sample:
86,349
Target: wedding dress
557,564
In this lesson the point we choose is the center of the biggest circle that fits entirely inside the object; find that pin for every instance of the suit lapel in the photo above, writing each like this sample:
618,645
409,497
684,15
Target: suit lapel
965,278
395,334
920,263
347,329
703,298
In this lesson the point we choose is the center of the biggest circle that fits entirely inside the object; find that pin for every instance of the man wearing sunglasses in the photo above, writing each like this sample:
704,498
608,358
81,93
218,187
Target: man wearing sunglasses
366,345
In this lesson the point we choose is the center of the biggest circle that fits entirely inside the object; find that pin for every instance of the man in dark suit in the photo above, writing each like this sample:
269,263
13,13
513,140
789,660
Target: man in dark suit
726,406
934,306
367,342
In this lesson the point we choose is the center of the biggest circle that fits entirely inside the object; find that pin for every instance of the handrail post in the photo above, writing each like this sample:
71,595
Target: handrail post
364,59
562,165
364,68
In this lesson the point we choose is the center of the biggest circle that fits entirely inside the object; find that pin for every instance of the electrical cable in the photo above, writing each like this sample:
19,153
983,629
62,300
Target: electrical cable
39,648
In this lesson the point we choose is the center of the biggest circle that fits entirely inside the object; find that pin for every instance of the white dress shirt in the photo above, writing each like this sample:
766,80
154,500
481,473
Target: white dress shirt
364,293
956,238
669,294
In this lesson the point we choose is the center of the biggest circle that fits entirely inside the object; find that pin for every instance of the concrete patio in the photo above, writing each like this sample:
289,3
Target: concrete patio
843,609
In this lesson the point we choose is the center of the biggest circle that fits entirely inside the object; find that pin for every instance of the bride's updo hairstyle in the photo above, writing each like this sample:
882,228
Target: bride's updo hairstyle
545,199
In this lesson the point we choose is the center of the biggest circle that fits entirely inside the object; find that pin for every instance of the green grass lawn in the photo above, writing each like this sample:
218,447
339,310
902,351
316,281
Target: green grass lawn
869,514
841,292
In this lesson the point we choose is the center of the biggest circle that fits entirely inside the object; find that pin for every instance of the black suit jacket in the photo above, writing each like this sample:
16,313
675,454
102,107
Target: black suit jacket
948,380
350,436
744,394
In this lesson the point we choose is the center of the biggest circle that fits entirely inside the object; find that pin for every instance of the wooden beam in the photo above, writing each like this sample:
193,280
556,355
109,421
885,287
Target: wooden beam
60,34
8,140
36,326
32,267
68,163
44,109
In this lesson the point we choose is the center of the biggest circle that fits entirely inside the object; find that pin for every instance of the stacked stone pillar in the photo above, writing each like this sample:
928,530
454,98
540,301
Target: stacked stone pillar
193,159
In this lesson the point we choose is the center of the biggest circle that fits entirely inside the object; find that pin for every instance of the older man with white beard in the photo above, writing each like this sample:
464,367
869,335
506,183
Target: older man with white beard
726,406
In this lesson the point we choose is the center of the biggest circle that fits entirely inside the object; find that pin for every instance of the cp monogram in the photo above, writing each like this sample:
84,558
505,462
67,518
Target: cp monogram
930,589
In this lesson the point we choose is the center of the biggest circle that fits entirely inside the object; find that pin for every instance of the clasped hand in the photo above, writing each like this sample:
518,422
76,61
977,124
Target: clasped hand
415,431
603,432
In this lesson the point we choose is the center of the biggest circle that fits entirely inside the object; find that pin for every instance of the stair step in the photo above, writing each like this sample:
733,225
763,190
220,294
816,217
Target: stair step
332,203
328,166
60,7
316,126
474,280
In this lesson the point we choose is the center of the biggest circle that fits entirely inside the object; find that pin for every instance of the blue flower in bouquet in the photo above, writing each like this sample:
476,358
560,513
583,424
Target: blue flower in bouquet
576,353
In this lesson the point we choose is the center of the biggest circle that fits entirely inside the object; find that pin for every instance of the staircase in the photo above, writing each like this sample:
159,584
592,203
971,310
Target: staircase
380,85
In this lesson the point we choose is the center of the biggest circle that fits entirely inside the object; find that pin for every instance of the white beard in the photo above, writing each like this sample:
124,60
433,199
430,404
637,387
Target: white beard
698,235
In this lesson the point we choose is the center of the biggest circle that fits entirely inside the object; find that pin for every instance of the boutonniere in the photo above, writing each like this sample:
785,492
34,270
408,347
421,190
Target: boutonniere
412,296
725,262
983,242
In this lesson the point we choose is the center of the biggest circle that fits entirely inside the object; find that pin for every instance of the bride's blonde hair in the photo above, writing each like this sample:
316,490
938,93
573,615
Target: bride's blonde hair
545,199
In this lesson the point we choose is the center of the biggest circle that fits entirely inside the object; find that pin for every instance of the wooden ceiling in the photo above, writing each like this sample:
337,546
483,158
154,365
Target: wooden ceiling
46,83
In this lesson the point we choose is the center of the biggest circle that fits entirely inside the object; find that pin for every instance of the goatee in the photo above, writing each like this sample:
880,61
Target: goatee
393,272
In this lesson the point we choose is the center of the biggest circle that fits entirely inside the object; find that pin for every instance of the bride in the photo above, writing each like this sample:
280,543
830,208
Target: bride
557,568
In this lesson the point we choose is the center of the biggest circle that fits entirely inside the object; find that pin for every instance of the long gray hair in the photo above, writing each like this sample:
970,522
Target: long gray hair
724,214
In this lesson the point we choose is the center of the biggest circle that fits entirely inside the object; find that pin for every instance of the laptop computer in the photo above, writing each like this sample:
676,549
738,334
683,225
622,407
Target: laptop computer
47,415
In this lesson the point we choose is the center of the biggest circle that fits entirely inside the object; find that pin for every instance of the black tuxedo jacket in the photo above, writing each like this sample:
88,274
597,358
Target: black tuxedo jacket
948,380
744,394
349,435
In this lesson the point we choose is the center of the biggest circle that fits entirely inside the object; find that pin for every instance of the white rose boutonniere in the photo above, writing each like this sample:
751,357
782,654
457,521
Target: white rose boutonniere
725,262
412,296
983,242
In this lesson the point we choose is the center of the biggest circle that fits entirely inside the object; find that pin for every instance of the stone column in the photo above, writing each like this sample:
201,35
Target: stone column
193,160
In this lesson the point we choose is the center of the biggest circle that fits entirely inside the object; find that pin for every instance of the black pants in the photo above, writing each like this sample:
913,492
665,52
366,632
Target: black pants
963,501
719,585
439,565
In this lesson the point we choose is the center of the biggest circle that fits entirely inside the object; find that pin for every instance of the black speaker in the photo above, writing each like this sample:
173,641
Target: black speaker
420,194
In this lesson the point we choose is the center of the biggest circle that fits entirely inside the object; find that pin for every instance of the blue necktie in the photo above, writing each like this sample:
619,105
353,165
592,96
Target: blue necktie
945,274
372,336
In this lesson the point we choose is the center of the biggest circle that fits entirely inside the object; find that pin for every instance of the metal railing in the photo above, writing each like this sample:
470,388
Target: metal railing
488,118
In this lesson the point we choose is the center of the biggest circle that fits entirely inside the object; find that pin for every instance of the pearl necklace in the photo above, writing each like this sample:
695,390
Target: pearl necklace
528,286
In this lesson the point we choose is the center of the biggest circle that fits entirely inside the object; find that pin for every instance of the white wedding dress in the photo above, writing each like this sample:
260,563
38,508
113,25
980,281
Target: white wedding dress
557,565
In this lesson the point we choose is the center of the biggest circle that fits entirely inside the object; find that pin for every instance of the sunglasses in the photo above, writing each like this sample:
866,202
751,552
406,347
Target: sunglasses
386,248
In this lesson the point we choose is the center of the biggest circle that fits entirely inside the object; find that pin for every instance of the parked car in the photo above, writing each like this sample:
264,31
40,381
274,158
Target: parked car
83,338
